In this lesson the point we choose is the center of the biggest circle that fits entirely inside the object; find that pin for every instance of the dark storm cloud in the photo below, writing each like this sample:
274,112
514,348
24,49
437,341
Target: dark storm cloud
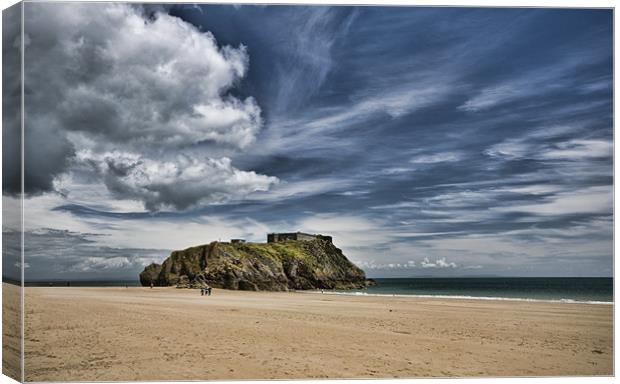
11,100
48,151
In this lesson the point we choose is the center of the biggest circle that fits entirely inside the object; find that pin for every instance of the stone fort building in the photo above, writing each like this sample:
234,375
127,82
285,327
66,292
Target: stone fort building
277,237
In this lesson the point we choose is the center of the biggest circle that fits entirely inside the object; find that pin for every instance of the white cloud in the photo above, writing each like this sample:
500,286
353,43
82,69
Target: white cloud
592,200
439,263
302,133
423,234
586,228
89,264
296,189
373,265
490,97
396,170
579,149
473,267
402,204
510,149
181,182
437,158
531,84
533,249
533,189
311,34
133,91
527,147
354,193
395,103
123,77
125,231
362,240
464,198
347,230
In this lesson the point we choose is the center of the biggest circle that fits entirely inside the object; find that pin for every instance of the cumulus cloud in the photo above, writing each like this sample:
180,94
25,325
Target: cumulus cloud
99,264
373,265
123,76
439,263
102,77
181,182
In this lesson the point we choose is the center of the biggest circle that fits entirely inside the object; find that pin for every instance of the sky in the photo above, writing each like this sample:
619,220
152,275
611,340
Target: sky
426,141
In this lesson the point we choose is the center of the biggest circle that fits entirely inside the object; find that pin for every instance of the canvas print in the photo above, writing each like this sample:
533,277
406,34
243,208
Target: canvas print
232,192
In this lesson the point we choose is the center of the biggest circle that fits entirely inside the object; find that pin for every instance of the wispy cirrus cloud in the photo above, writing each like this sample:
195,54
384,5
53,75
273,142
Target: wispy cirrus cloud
556,77
437,158
309,132
569,150
307,53
592,200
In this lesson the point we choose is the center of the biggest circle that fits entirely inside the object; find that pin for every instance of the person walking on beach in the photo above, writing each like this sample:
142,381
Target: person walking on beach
209,291
202,291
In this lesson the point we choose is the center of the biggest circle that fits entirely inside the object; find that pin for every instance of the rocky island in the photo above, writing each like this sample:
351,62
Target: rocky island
288,261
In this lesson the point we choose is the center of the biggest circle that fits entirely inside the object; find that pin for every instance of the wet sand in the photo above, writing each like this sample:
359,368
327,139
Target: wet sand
109,334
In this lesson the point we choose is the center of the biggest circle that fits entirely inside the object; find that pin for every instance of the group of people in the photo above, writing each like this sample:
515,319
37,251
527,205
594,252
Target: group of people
205,291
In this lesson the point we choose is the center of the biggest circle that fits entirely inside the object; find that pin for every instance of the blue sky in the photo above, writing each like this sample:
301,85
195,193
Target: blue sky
427,141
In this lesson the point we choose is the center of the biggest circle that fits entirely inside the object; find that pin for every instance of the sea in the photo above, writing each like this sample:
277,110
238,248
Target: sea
595,290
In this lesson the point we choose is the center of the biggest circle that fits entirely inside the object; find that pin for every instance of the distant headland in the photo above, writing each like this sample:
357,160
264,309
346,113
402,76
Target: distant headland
288,261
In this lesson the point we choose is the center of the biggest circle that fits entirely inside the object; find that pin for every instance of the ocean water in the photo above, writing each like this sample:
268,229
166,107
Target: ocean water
568,289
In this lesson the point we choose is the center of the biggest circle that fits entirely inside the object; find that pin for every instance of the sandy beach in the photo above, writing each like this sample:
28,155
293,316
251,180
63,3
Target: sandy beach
11,331
91,334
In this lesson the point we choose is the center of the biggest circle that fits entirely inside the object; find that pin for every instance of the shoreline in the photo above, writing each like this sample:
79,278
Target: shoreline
125,334
390,289
462,297
354,292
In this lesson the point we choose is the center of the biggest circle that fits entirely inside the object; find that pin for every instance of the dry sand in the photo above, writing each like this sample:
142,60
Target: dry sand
11,331
171,334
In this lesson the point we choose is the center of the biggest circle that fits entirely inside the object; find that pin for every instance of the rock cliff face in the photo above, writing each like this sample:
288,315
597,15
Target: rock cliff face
258,266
